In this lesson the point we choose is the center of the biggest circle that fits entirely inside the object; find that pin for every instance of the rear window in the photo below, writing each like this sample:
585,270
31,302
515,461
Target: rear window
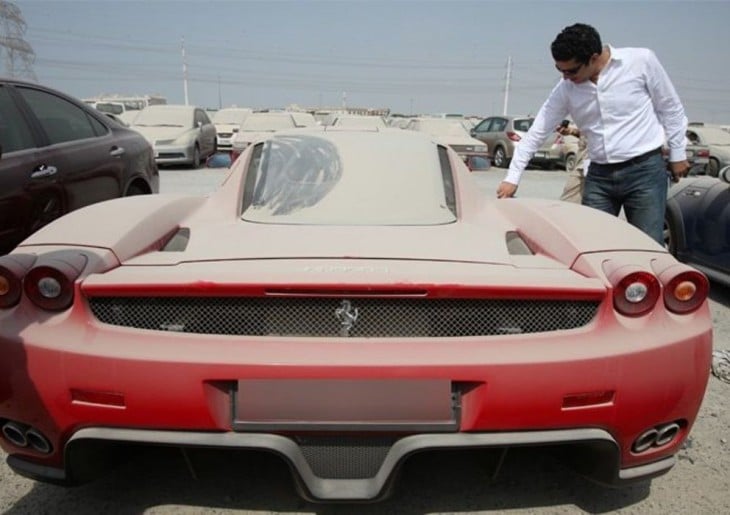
361,180
523,124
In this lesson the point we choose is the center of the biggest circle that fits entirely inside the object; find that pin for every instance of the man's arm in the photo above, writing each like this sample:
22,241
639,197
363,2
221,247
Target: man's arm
552,112
670,112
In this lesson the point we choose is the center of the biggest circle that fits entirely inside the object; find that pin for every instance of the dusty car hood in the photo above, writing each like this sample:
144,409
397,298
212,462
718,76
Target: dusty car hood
245,241
160,133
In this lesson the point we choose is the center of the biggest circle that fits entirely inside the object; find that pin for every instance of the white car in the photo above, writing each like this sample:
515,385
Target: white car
179,134
227,123
358,121
451,132
258,125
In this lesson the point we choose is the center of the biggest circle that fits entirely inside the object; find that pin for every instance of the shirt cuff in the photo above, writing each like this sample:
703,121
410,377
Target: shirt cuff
513,177
677,154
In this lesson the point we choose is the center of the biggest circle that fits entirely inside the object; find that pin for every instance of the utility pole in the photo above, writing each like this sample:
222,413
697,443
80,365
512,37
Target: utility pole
185,71
19,55
506,87
220,100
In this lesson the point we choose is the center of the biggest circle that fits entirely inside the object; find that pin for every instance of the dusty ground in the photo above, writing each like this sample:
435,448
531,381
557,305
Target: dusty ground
528,484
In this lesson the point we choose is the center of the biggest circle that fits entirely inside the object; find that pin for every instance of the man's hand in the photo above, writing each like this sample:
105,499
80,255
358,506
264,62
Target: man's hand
506,190
678,170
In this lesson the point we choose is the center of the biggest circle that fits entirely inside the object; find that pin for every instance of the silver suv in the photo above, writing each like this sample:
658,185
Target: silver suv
502,134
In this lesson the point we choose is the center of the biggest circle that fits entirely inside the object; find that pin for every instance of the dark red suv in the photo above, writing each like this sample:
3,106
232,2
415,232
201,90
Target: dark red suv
58,154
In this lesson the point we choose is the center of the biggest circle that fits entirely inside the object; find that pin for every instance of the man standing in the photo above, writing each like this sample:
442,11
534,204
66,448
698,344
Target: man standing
625,104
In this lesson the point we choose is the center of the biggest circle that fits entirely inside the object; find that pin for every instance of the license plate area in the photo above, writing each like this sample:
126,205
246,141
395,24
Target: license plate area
422,405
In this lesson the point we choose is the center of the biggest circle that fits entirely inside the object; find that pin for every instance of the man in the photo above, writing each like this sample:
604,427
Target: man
573,189
624,103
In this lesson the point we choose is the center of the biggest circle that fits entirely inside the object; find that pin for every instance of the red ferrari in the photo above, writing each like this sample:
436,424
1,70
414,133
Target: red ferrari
346,299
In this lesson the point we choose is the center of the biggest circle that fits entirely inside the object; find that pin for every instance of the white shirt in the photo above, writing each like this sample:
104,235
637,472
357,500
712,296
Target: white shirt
627,113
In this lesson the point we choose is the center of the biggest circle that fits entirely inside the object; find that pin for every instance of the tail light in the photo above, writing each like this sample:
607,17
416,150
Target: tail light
635,291
513,136
703,152
12,270
685,289
50,283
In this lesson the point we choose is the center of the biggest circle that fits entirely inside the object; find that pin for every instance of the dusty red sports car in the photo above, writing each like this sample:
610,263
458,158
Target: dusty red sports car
345,299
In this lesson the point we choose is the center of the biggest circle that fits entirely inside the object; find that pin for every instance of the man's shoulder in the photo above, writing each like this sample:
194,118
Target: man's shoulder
632,53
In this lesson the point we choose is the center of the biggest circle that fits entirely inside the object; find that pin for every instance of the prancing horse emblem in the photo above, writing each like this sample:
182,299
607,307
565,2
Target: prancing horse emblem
347,316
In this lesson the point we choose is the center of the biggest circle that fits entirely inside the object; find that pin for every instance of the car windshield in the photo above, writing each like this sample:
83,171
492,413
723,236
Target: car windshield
158,116
363,180
443,127
523,124
109,107
267,122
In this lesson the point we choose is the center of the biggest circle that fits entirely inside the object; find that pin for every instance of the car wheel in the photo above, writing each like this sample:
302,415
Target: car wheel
135,190
570,162
670,237
713,167
196,157
500,158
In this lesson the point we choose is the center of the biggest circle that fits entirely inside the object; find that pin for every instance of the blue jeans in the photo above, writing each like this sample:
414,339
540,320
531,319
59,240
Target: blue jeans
641,189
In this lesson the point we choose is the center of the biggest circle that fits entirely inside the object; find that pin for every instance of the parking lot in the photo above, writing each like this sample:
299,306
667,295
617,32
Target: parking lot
528,482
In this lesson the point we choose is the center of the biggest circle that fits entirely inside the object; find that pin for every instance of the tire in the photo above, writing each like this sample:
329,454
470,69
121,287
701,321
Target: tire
135,190
669,235
195,164
570,163
500,159
713,167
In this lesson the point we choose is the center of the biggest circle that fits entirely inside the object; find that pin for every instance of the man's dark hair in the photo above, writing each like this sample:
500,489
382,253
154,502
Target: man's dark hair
578,42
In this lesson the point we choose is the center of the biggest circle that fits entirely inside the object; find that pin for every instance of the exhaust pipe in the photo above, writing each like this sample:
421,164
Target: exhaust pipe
15,434
666,434
38,441
645,440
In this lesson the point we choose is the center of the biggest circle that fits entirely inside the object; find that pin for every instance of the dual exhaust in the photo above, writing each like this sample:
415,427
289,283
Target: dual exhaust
22,435
656,437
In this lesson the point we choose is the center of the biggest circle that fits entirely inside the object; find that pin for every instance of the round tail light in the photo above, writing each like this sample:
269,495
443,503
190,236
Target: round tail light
12,270
685,292
50,284
636,293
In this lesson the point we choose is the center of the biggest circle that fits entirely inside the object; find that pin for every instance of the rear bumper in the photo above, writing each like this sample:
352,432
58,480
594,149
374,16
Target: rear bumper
317,488
598,387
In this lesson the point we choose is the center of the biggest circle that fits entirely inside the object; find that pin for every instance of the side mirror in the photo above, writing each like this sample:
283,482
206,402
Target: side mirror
472,132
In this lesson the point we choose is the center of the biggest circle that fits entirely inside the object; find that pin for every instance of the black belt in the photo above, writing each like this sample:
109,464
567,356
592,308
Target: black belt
609,167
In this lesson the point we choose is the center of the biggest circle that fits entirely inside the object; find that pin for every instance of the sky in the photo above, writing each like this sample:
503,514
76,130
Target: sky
477,58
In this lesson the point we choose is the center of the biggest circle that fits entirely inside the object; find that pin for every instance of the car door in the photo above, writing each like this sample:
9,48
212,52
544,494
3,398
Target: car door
27,200
711,235
207,132
481,132
81,154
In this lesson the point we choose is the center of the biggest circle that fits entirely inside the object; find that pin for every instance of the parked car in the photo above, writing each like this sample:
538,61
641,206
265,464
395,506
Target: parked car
358,121
452,132
718,142
227,123
502,134
57,154
697,224
347,299
258,125
304,119
179,134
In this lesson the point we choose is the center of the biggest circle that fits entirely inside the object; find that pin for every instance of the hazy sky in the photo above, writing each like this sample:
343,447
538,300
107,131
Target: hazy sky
410,56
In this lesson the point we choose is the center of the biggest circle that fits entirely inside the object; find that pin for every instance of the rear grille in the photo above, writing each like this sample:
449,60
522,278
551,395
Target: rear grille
345,457
335,317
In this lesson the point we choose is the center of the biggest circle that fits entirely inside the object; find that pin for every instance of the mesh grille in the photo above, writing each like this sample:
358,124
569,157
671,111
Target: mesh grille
335,317
345,457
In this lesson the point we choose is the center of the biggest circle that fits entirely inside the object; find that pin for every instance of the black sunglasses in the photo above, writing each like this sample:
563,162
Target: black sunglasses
570,71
